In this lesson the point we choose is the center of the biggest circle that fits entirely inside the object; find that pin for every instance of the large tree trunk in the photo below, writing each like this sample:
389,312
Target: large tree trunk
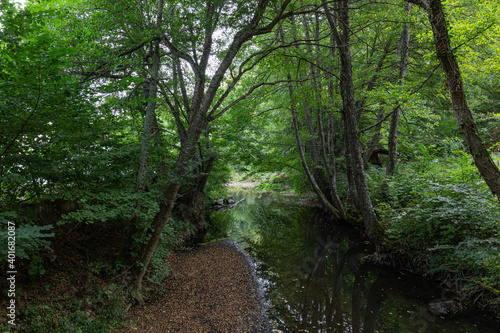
186,155
351,195
403,51
150,129
157,226
189,207
487,168
326,148
351,125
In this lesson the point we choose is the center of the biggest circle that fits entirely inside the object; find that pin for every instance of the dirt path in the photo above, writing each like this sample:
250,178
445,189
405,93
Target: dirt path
212,290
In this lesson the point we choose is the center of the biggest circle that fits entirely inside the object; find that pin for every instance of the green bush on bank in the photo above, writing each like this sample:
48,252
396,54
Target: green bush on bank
442,214
98,313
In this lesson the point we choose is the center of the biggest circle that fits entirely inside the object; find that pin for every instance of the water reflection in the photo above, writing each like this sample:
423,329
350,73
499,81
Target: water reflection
315,278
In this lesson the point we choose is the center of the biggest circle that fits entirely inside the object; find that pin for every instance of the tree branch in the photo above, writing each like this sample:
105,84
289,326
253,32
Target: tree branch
248,93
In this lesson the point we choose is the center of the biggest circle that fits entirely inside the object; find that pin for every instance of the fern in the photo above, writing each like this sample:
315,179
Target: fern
29,239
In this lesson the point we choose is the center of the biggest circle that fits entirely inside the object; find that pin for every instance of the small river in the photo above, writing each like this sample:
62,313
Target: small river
315,280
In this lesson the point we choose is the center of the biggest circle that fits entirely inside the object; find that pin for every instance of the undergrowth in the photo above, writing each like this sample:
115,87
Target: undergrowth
97,313
443,216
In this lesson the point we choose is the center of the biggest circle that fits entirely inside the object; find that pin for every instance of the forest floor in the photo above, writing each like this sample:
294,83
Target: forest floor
211,289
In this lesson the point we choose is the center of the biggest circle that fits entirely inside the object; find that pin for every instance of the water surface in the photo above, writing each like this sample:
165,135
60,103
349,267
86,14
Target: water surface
315,280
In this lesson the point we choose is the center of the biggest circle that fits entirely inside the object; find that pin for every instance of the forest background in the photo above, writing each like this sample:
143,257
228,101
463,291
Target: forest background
133,115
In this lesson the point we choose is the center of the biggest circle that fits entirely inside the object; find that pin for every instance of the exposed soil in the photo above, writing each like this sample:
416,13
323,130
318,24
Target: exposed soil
212,289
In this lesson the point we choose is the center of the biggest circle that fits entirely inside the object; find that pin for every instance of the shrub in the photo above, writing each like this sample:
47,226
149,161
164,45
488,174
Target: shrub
445,214
29,239
446,219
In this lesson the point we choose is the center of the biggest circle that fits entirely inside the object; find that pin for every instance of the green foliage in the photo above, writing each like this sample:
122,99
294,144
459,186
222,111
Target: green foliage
36,267
29,239
99,313
445,214
445,218
218,225
58,139
273,181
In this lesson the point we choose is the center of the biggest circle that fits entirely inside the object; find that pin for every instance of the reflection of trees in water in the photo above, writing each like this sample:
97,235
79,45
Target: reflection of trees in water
316,283
331,280
320,284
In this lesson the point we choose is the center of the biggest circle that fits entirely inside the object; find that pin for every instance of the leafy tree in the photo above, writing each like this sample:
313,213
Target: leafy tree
444,52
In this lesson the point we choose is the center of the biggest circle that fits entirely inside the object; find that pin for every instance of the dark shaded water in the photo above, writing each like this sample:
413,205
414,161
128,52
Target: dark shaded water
315,279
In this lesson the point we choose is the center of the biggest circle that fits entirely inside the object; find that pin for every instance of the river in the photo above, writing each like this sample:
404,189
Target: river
314,278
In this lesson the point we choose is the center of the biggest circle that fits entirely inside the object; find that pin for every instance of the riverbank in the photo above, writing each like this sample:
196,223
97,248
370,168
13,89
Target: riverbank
211,289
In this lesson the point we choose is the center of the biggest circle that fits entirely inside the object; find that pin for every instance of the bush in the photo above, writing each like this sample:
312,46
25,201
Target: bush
445,214
219,224
98,313
446,219
29,239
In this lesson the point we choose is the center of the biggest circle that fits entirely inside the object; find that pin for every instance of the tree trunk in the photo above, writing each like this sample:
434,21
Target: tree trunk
331,130
375,139
403,51
324,201
314,150
351,124
329,160
189,207
352,192
159,222
487,168
149,130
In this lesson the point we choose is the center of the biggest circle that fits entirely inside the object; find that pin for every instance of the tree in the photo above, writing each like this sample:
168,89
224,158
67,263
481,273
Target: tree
487,168
202,107
403,52
341,32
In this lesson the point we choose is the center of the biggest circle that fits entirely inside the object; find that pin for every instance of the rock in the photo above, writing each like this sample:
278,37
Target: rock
230,200
220,202
441,308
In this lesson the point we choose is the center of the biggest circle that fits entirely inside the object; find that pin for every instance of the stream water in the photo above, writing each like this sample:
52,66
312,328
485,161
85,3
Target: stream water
315,280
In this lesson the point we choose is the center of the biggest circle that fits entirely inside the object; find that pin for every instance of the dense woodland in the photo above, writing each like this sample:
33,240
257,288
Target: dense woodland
136,113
